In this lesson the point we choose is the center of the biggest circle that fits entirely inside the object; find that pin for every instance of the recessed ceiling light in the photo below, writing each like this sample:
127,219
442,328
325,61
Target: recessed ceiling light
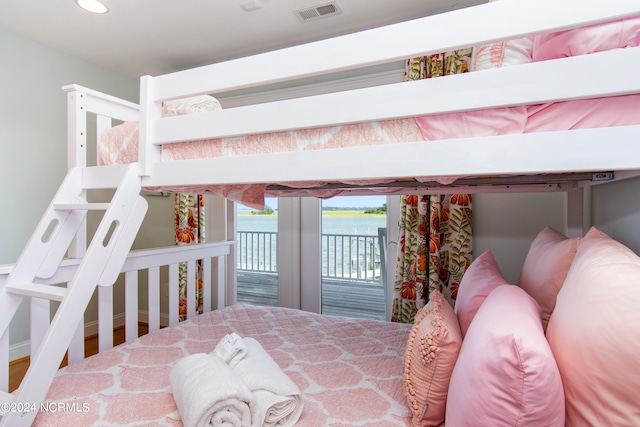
93,6
252,5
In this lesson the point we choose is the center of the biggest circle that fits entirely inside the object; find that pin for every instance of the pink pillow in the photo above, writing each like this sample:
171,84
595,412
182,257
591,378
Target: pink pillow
431,353
489,122
505,374
594,38
502,54
482,276
546,267
594,333
422,313
585,113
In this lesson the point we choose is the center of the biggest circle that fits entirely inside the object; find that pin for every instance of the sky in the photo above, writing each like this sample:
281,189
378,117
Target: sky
336,202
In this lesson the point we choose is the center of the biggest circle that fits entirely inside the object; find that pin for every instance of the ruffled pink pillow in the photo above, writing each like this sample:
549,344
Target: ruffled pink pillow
546,267
594,333
482,276
505,374
430,356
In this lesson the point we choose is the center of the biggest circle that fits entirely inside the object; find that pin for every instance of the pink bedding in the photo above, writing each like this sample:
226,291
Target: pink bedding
120,145
349,370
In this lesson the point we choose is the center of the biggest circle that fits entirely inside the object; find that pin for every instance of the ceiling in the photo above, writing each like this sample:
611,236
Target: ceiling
140,37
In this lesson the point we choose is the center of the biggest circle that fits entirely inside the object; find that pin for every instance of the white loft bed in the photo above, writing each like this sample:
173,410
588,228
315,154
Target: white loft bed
554,153
536,83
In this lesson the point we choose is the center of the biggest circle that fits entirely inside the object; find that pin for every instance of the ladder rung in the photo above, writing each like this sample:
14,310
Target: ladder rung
55,293
81,206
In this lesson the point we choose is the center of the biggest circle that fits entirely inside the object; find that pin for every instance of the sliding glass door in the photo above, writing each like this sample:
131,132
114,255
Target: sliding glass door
353,256
257,254
323,256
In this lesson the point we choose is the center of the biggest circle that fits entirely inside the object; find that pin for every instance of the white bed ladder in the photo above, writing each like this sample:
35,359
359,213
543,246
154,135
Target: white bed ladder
41,258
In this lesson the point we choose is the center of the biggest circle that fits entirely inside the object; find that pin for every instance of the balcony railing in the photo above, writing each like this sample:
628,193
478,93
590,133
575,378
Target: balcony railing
257,251
353,272
353,257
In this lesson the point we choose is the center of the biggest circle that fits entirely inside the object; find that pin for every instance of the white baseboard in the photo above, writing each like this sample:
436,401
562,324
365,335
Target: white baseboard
18,351
91,328
143,316
23,349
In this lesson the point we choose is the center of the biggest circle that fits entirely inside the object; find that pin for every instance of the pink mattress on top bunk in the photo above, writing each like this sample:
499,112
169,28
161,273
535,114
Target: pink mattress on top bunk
348,370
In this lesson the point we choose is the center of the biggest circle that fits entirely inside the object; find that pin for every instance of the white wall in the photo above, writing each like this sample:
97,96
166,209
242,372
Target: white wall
33,120
507,224
616,211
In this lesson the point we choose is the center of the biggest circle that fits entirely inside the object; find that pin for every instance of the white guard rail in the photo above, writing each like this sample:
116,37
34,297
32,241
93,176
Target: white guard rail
149,262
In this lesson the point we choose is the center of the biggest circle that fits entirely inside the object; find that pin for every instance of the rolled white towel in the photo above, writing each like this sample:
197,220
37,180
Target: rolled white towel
194,104
279,400
231,349
209,393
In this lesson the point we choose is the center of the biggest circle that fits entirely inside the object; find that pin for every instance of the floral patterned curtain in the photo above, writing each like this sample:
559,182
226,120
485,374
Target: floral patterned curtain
435,230
189,229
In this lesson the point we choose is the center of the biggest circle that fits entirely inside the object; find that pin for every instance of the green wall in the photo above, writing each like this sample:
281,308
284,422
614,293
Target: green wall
33,135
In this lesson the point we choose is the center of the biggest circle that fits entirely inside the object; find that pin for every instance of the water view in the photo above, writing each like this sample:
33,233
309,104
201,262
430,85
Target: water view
350,246
351,257
357,224
341,215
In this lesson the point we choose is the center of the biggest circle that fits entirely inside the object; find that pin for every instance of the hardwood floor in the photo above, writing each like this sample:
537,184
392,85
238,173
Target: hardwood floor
18,368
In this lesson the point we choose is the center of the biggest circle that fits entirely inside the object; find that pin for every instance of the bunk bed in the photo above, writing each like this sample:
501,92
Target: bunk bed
129,384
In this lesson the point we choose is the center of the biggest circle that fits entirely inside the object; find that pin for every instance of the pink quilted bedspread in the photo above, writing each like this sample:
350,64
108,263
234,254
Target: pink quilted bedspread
119,145
349,370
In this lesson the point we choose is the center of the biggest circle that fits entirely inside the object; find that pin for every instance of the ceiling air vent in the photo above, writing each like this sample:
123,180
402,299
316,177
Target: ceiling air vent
317,12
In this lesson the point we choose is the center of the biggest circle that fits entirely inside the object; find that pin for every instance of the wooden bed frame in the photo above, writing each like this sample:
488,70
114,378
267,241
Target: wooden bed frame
540,153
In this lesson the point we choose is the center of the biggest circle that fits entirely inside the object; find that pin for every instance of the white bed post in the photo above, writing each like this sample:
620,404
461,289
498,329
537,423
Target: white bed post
149,111
229,295
574,212
174,308
191,289
153,289
76,157
131,305
206,284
